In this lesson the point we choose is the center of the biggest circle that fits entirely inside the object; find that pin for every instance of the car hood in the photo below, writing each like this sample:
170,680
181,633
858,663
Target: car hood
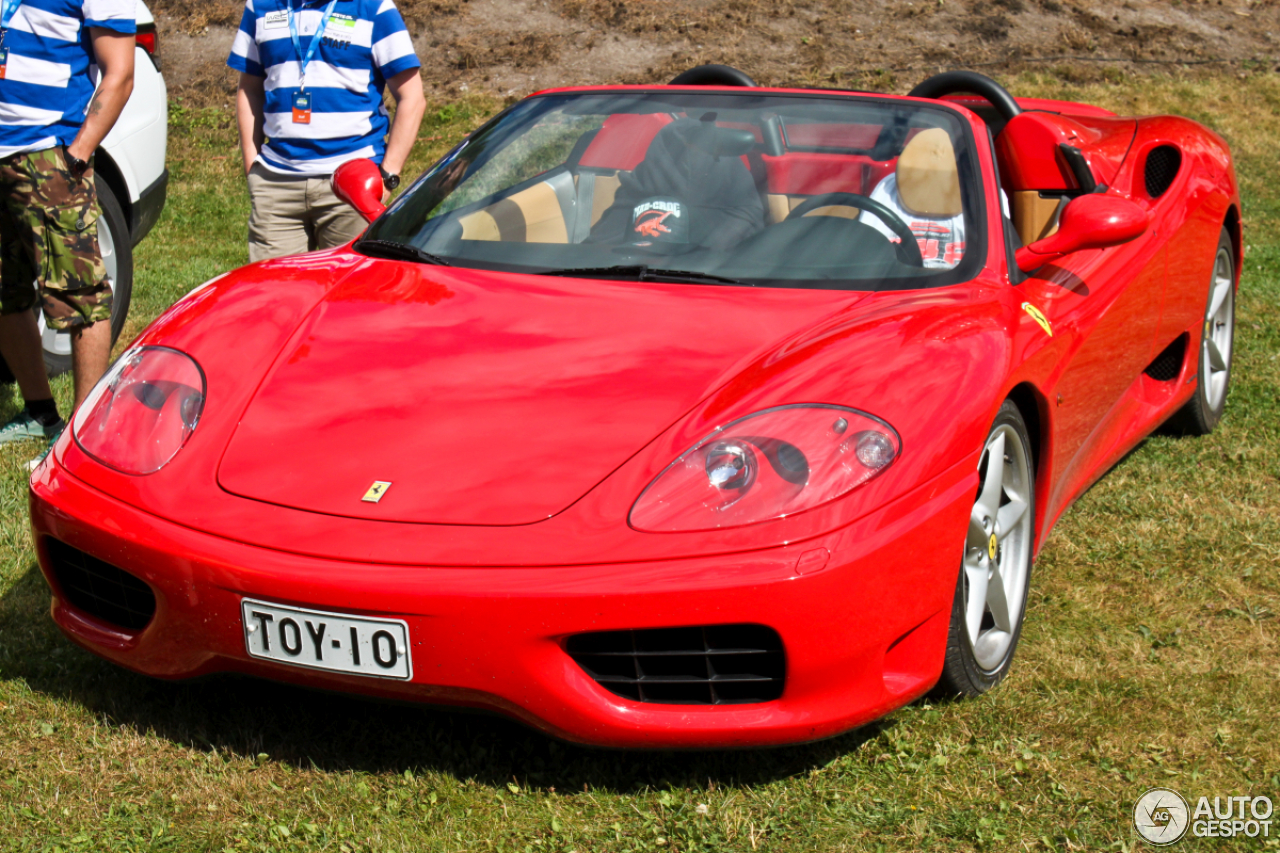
489,399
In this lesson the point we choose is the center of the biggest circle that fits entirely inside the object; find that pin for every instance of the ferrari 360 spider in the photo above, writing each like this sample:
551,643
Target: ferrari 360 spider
702,414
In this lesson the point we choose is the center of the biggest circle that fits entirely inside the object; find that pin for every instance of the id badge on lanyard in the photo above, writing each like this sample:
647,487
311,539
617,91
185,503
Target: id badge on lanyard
302,108
302,100
7,11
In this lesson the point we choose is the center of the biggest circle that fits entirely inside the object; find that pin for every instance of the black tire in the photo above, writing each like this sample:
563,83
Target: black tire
962,673
1200,415
114,222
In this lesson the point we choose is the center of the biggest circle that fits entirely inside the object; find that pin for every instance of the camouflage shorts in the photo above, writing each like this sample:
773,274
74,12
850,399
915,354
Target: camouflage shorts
49,241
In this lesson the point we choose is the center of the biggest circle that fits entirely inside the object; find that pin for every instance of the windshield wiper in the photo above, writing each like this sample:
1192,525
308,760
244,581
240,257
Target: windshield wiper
640,272
399,252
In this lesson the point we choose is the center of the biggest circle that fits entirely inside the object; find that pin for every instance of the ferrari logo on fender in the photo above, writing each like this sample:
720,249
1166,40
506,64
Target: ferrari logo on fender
993,547
376,491
1038,317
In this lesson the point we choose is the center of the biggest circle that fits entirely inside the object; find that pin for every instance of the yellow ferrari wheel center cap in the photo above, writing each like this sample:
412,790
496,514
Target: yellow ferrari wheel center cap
993,547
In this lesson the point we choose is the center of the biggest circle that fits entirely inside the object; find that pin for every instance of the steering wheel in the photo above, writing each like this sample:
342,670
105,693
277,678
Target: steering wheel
908,249
969,83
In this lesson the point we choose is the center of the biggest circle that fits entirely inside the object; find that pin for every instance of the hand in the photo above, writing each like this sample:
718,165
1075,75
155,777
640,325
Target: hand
77,167
78,154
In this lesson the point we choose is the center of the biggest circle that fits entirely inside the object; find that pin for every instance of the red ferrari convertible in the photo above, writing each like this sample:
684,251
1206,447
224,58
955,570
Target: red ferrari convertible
694,415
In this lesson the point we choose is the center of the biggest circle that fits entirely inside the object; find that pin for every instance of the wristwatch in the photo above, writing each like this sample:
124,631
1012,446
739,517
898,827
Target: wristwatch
75,165
389,180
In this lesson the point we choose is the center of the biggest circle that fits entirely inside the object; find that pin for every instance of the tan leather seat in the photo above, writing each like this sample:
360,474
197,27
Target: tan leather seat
532,215
535,215
928,180
927,176
1035,216
779,206
841,211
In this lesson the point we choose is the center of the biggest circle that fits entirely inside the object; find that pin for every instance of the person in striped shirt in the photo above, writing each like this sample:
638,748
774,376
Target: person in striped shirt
312,76
52,54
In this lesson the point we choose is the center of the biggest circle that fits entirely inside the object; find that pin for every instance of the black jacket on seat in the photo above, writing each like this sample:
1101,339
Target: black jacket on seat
716,193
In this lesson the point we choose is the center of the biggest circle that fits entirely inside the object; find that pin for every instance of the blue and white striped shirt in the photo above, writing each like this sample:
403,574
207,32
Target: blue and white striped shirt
364,43
51,74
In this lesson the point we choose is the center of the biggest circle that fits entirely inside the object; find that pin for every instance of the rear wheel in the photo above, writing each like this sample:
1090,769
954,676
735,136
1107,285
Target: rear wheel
991,591
1217,334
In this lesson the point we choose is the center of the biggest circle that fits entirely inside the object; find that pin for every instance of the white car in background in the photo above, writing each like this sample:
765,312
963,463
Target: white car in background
131,182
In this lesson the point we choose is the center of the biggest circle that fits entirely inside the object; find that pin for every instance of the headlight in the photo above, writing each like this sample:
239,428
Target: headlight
143,411
767,465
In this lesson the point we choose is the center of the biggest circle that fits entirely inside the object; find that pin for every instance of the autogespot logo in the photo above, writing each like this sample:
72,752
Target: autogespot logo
1161,816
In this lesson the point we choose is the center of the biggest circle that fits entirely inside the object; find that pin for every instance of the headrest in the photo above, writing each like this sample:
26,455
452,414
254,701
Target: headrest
709,138
724,141
928,180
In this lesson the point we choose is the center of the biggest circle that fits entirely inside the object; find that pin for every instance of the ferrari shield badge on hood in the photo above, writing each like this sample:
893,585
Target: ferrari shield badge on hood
376,491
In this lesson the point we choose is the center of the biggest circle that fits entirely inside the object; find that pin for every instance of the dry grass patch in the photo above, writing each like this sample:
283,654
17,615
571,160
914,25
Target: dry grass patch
194,17
485,49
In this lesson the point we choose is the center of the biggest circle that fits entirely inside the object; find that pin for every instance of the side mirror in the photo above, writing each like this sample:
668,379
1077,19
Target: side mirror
359,184
1093,221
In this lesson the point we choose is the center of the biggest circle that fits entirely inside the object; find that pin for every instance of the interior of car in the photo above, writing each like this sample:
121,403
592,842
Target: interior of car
788,164
782,187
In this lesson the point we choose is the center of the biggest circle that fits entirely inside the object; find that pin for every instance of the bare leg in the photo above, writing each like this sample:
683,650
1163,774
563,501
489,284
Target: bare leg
20,345
90,352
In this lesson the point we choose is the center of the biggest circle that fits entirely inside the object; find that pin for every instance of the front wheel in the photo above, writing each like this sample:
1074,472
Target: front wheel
117,257
991,591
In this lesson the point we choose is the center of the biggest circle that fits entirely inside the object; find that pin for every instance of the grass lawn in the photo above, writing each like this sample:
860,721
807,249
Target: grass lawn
1150,655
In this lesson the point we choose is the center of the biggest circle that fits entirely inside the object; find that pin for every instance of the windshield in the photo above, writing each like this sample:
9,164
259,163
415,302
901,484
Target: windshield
813,191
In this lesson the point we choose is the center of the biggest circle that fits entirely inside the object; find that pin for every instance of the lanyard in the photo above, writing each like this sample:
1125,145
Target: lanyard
303,59
7,11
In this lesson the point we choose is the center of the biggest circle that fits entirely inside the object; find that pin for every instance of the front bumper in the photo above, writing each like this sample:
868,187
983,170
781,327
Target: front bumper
863,634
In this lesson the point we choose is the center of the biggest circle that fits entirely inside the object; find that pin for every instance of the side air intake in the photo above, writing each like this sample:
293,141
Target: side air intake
1168,364
1163,164
100,589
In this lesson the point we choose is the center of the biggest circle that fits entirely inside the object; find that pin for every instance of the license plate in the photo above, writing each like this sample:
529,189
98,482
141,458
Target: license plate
338,642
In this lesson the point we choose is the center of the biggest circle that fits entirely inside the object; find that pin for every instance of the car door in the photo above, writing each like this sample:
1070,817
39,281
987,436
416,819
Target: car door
1106,302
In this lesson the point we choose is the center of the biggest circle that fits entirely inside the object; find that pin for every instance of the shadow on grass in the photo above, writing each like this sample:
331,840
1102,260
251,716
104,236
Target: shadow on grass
10,396
335,732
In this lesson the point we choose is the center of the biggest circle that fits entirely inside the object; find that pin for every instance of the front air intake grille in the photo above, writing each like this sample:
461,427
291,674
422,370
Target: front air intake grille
100,589
1168,364
1163,164
710,665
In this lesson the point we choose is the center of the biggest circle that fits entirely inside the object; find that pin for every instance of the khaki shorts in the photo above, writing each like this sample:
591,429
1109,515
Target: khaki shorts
292,215
49,241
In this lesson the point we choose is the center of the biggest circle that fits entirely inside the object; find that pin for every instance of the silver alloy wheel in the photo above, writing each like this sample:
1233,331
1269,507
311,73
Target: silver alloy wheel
59,343
997,551
1215,358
